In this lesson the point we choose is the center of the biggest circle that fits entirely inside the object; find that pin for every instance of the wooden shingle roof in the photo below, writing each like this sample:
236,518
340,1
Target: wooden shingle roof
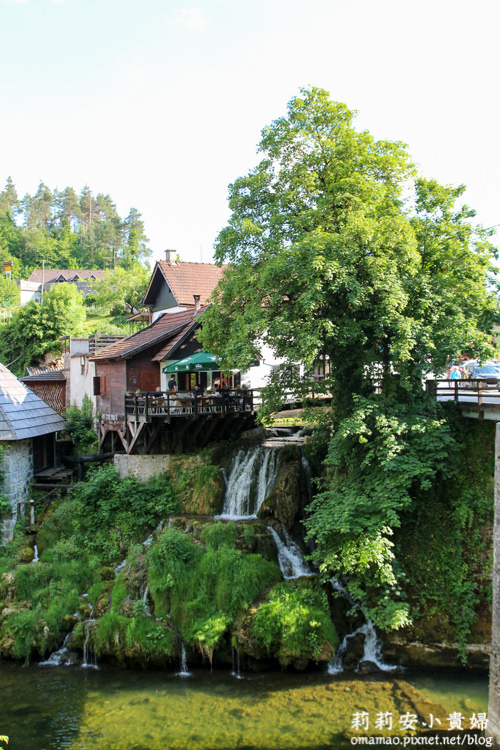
185,280
22,413
168,328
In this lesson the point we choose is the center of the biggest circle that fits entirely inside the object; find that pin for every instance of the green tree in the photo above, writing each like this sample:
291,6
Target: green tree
122,291
339,252
34,331
136,248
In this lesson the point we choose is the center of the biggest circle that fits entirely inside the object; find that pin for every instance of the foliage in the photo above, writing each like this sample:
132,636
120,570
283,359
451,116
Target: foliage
340,253
294,622
121,291
380,461
202,590
34,330
93,526
68,230
444,541
112,513
80,426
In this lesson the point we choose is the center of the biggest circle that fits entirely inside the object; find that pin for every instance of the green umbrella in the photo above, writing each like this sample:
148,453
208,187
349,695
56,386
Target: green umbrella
199,362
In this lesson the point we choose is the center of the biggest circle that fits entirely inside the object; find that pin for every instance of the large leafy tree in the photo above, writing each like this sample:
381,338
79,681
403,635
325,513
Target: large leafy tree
338,252
34,331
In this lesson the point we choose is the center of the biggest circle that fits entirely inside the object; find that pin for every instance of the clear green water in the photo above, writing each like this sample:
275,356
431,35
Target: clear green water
107,709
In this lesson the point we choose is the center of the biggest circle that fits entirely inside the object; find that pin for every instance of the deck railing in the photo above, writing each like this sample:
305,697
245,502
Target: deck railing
145,406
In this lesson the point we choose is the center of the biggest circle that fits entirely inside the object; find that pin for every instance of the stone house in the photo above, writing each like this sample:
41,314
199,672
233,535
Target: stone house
28,427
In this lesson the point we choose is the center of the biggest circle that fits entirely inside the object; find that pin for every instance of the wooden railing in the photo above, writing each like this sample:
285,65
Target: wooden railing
145,406
472,393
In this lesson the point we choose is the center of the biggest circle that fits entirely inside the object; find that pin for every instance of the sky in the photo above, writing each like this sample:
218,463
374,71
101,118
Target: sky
160,104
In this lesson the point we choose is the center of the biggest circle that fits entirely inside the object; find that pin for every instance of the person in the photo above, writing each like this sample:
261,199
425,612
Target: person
172,385
455,373
199,391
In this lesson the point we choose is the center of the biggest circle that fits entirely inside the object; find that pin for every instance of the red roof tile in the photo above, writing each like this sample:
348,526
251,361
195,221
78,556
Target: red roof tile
187,279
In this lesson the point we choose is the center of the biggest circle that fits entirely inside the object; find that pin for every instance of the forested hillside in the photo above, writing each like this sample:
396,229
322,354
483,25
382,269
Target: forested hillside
67,230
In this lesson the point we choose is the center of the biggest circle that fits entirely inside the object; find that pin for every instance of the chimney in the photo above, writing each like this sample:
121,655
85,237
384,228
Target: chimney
170,256
196,301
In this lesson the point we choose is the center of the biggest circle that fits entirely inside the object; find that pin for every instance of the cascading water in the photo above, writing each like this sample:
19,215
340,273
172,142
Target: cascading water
61,657
290,557
372,645
89,656
252,477
372,650
184,671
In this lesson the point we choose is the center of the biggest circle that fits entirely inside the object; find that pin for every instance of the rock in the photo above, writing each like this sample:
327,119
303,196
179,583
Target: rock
283,503
26,554
368,667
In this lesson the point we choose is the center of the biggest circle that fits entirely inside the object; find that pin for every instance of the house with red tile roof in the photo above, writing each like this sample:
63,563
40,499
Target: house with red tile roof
176,286
130,371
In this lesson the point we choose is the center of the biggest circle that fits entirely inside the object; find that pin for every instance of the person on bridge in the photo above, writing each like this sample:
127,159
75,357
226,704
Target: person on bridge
172,385
455,374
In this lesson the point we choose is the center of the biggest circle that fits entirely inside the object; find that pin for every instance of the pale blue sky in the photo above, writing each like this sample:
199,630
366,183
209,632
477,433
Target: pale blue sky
161,103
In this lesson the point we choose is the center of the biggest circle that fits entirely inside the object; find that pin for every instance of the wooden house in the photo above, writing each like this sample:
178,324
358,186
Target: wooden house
176,286
28,427
128,376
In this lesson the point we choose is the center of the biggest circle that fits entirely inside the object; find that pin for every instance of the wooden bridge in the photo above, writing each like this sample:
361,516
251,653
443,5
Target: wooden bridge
479,399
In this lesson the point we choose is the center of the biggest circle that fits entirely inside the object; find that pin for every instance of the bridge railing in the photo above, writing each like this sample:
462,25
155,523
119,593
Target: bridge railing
466,392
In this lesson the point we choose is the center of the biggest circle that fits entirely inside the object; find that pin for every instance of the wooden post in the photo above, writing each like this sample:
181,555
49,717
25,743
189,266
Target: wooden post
494,695
455,382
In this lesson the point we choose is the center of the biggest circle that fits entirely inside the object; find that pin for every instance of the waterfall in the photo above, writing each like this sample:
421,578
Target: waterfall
236,672
372,646
89,656
184,671
251,478
290,557
35,555
61,657
372,650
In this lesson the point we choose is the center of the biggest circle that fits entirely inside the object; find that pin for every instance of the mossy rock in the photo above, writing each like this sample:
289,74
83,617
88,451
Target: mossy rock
198,484
26,554
284,502
108,574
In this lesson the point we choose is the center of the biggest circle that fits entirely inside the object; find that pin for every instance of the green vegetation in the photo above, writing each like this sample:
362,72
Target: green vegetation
203,589
34,330
80,427
199,586
444,543
68,231
295,622
387,280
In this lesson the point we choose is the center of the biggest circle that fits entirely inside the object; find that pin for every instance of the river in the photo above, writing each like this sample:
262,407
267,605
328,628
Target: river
51,708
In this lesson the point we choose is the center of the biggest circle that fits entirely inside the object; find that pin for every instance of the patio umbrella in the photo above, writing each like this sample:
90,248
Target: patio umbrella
199,362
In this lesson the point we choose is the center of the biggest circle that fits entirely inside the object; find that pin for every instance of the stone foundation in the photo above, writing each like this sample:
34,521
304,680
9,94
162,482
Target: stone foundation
142,467
17,466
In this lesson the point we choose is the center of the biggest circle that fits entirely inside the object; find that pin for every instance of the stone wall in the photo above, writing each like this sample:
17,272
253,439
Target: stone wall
142,467
17,466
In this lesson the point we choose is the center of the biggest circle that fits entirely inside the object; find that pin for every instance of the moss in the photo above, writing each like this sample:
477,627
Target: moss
291,625
198,484
283,503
